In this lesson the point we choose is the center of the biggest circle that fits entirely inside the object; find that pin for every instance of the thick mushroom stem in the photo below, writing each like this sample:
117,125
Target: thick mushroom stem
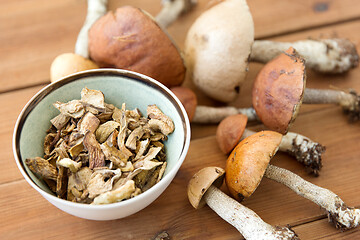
171,10
246,221
350,102
205,114
305,151
96,8
338,213
325,55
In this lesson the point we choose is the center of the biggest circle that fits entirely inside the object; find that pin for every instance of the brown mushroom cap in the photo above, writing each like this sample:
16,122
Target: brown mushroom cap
200,183
278,90
188,98
130,39
229,131
247,163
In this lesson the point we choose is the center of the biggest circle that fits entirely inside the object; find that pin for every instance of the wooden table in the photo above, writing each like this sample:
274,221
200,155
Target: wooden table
33,33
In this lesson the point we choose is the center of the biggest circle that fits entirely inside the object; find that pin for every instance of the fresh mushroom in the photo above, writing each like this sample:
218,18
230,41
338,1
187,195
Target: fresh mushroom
130,38
279,90
220,44
207,114
334,55
68,63
233,129
203,189
249,162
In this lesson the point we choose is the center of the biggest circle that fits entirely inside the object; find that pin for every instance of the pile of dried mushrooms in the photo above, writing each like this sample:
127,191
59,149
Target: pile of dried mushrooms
97,153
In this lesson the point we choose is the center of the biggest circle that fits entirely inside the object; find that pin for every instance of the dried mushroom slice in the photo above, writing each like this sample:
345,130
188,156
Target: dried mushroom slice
105,129
151,154
73,108
102,181
61,182
78,182
60,121
96,156
88,123
123,192
93,98
49,142
141,148
158,120
114,155
134,137
42,167
70,164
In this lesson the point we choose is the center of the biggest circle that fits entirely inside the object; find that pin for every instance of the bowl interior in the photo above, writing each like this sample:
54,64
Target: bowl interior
136,90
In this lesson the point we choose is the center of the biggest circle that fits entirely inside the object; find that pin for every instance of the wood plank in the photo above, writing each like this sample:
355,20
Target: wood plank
172,213
12,104
35,32
314,230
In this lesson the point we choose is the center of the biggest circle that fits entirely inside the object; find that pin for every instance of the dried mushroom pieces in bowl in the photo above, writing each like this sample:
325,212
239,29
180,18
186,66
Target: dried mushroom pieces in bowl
97,153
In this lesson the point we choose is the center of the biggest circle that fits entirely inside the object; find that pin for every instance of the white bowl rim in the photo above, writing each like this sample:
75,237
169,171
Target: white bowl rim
98,72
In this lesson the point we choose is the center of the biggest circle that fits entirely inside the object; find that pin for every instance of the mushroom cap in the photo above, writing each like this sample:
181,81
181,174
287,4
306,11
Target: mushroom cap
278,90
188,98
130,39
246,165
200,183
229,131
217,48
69,63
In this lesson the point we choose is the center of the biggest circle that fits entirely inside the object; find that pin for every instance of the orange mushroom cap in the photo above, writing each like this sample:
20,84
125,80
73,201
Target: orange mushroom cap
229,131
246,165
278,90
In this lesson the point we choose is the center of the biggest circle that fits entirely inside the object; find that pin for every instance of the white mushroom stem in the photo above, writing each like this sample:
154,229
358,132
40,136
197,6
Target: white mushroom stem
171,10
338,213
96,8
305,151
205,114
325,55
350,102
246,221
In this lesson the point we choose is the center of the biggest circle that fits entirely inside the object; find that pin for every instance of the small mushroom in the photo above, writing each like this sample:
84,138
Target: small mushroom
279,90
203,189
233,129
249,162
220,43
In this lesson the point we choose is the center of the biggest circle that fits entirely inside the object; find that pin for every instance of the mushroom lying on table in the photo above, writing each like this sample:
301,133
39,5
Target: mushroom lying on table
249,162
69,63
203,189
233,129
220,43
279,90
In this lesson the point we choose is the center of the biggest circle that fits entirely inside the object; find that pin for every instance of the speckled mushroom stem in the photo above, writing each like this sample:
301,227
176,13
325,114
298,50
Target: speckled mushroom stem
96,8
305,151
171,10
246,221
350,102
326,55
205,114
338,213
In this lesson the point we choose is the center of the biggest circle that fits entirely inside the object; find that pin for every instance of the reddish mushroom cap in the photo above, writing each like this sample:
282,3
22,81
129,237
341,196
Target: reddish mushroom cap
229,131
246,165
130,39
278,90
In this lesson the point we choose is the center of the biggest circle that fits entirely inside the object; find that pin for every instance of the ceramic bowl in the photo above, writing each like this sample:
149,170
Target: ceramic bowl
118,86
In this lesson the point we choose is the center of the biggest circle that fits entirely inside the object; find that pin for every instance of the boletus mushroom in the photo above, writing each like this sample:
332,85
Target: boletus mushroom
203,189
279,90
220,44
233,129
249,162
129,38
